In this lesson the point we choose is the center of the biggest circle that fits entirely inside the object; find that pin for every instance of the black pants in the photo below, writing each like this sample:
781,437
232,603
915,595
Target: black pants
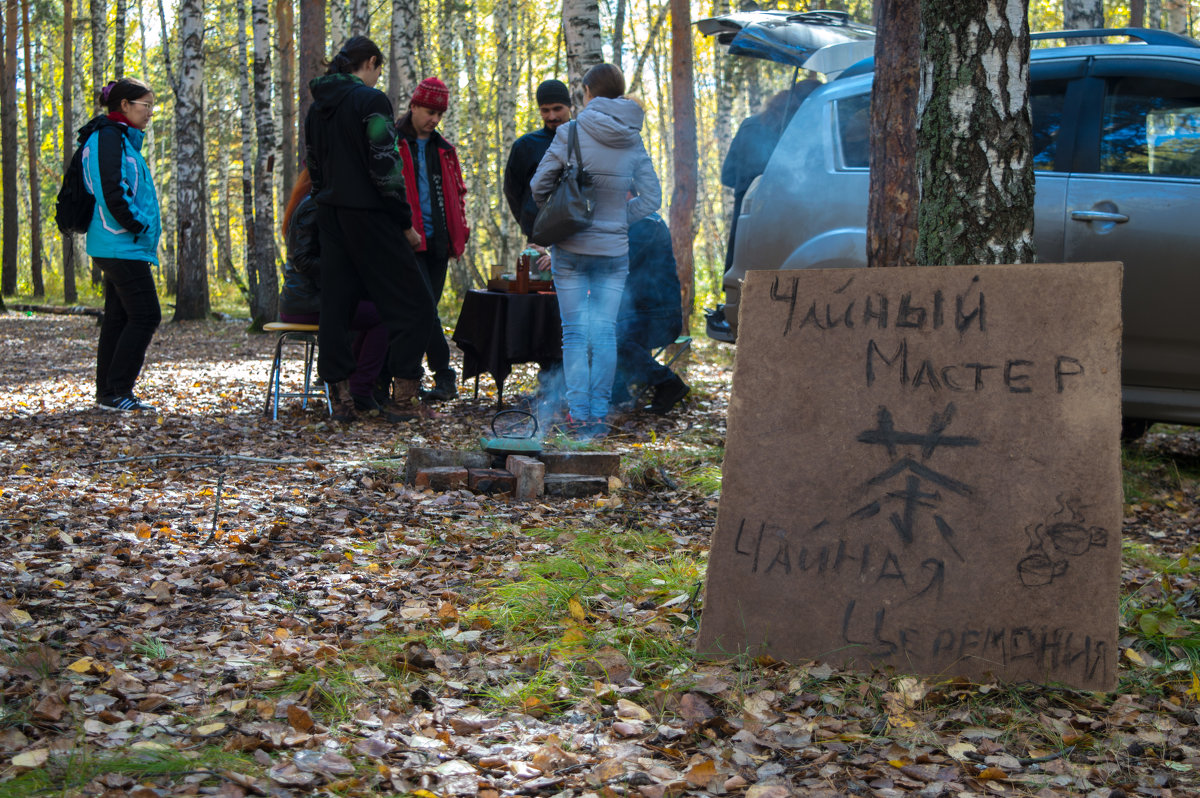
131,315
364,255
437,351
637,337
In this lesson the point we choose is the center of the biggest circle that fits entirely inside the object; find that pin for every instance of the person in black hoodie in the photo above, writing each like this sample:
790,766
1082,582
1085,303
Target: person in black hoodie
364,221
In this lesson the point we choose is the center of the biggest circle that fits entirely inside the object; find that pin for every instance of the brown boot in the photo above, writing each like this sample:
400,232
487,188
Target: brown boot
405,395
342,401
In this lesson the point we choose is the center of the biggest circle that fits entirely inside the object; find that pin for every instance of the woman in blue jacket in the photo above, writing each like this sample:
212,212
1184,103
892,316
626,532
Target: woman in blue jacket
122,238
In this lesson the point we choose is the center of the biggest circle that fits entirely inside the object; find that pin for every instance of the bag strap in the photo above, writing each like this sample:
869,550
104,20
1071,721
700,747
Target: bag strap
573,144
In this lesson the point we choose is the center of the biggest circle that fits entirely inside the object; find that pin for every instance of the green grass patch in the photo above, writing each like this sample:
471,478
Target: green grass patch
699,469
64,775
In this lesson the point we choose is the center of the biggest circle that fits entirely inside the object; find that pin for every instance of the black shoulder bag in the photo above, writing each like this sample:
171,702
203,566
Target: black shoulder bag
568,209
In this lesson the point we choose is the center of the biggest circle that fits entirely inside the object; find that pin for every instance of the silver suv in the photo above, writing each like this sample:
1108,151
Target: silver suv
1117,160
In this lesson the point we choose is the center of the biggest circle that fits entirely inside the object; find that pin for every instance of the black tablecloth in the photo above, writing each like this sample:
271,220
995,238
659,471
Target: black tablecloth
496,330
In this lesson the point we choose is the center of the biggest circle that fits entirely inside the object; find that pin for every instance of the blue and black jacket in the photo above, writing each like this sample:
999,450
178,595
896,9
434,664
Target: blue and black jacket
126,223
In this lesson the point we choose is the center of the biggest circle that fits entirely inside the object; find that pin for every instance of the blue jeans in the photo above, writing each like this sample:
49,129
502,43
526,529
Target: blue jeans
589,289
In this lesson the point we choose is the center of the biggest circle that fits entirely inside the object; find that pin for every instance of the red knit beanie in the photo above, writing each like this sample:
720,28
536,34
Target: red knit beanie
432,94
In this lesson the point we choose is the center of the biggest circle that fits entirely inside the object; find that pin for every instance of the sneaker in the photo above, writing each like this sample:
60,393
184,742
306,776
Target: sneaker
667,394
444,387
123,404
368,406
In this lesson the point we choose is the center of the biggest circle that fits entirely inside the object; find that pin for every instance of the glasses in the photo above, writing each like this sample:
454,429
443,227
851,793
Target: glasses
149,106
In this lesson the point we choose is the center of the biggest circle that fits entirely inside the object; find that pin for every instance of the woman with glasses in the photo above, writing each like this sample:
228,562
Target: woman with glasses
122,238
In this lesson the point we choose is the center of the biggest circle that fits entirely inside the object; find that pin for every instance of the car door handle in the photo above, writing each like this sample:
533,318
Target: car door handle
1098,216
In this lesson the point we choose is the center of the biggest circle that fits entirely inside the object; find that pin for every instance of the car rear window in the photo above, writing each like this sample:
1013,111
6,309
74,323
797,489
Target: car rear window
1151,127
854,123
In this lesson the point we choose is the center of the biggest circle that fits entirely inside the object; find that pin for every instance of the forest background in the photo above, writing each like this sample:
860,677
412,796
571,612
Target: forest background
223,144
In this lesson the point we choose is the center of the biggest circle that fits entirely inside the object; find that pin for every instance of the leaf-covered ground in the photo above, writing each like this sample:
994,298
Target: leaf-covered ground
204,602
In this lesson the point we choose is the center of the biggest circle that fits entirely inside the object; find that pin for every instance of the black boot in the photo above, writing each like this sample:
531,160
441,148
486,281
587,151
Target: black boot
342,401
443,386
370,407
667,394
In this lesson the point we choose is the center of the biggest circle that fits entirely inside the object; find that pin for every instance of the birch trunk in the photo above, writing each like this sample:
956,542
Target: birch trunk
581,29
686,156
119,39
70,296
9,151
339,23
402,63
249,228
98,20
285,38
224,209
360,18
1083,14
618,37
1175,16
312,52
265,301
892,207
507,80
35,193
973,134
192,299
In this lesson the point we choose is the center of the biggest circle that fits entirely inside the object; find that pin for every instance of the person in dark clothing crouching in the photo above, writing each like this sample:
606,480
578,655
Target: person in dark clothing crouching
365,225
651,316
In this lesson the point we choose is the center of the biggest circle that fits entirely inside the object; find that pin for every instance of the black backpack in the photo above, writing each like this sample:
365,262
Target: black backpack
75,204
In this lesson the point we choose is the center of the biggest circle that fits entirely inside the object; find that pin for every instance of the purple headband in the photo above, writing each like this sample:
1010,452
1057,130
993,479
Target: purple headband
106,90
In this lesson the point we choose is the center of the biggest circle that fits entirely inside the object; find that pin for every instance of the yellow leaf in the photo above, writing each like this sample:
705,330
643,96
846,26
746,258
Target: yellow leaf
897,763
209,728
82,665
424,794
1135,657
31,759
1194,690
577,610
20,617
959,750
992,773
150,745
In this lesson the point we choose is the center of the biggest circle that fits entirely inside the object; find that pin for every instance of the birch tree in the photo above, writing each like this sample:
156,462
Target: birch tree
360,18
507,80
405,42
8,153
98,20
264,302
32,148
339,23
119,39
1083,15
70,296
1175,16
581,30
973,133
249,228
892,207
192,297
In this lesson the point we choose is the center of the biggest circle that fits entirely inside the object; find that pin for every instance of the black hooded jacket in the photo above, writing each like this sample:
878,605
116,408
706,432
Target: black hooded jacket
351,148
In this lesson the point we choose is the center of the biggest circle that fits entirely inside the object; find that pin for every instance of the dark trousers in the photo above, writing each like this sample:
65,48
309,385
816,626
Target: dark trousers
369,347
637,337
437,351
131,315
364,255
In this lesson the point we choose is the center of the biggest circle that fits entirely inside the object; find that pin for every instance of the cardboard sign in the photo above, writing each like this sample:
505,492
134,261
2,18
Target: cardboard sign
922,471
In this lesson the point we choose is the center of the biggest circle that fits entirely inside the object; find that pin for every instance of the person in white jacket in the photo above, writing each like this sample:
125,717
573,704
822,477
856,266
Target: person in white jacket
590,267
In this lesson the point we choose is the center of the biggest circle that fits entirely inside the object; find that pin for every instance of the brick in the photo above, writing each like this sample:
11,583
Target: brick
420,458
530,475
574,486
491,480
441,478
596,464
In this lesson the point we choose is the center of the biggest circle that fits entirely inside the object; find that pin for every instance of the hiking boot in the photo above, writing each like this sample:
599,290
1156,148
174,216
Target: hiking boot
341,401
405,393
368,406
123,404
444,387
667,394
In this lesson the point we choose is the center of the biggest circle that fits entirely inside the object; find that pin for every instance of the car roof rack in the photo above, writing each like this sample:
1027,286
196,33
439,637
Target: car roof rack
1144,35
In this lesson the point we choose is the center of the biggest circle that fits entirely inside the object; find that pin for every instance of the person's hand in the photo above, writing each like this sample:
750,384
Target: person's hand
543,263
414,238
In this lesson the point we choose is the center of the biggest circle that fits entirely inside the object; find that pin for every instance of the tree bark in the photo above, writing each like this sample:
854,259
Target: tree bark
249,227
312,53
192,299
35,181
70,294
581,29
119,39
360,18
618,35
339,23
973,134
892,208
225,269
1175,16
405,42
1137,13
507,80
683,109
1083,14
99,26
285,37
264,301
8,153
